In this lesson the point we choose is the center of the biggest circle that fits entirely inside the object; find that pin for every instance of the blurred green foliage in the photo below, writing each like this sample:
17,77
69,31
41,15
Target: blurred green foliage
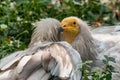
17,16
99,73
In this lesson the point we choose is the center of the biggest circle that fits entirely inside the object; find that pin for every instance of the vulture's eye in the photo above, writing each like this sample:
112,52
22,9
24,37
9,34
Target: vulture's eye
64,26
74,22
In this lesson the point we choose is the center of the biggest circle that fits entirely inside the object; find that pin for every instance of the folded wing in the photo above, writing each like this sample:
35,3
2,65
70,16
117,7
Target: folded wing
44,61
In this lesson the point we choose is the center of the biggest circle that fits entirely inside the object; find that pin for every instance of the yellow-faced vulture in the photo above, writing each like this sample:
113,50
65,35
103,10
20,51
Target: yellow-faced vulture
56,49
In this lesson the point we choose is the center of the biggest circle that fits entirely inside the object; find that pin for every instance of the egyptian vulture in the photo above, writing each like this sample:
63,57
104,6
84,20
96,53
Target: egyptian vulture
49,32
45,59
91,45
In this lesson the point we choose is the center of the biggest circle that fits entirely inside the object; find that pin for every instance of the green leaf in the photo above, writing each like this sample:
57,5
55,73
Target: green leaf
112,59
105,62
106,57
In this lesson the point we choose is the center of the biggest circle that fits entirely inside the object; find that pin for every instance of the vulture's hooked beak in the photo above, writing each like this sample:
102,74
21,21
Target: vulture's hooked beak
60,29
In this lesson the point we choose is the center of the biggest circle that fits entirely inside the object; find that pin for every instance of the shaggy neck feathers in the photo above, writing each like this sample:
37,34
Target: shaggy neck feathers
84,43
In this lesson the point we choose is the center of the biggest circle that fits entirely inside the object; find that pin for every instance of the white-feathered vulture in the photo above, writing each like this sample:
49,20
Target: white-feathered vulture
91,46
77,34
45,59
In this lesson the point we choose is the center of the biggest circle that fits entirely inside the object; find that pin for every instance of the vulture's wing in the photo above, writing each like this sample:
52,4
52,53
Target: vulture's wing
43,61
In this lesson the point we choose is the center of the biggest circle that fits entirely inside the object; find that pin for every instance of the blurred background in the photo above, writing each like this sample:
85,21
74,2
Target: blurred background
17,17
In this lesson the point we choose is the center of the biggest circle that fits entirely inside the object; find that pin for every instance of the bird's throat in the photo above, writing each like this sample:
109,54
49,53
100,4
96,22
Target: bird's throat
69,37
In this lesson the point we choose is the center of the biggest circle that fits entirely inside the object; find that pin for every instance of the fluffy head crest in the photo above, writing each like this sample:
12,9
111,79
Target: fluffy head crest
45,30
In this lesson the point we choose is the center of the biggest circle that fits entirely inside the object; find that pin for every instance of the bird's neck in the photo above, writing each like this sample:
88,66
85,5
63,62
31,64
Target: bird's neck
69,37
86,47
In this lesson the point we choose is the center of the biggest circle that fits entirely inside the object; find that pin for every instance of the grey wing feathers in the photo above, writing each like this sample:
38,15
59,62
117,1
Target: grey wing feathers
53,59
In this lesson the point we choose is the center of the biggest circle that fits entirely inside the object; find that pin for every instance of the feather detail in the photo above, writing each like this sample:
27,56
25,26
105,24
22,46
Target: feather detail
47,60
45,30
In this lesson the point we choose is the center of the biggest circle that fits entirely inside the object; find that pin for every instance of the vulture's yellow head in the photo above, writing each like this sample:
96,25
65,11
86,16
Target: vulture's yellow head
70,28
76,32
